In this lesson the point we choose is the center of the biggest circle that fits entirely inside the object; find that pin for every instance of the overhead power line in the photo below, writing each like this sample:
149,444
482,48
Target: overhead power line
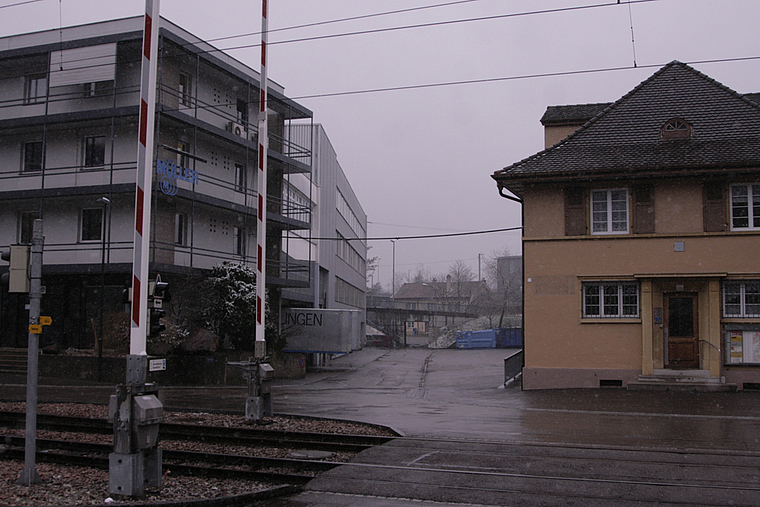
341,20
440,23
514,78
424,236
20,3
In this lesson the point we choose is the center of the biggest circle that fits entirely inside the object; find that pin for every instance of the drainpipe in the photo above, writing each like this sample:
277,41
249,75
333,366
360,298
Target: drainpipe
522,221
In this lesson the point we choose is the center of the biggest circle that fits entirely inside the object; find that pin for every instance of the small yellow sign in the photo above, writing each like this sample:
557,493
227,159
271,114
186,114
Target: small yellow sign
46,321
35,328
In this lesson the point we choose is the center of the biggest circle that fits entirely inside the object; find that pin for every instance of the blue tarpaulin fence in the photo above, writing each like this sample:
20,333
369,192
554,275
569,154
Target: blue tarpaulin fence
501,338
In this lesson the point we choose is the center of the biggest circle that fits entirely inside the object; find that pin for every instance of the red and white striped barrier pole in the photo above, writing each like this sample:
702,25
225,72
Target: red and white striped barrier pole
261,223
140,265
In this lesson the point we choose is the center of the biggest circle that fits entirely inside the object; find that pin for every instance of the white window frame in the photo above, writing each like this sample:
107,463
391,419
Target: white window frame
751,204
612,301
240,177
180,229
741,294
608,211
185,89
239,239
35,88
81,225
86,162
28,146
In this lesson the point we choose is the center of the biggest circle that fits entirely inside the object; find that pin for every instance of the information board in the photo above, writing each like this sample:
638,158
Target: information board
743,346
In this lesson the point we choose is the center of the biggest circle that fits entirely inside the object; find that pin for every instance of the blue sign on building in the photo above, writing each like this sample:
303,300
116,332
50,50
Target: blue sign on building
169,172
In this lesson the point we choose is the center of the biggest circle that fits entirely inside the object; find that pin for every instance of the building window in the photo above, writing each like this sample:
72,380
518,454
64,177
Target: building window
26,226
741,298
180,229
92,224
242,112
182,158
185,91
610,300
32,156
609,211
676,128
745,206
35,88
240,177
97,89
238,237
94,151
348,294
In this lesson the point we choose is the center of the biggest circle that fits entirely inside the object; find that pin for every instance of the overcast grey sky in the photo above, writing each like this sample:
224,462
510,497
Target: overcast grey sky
420,159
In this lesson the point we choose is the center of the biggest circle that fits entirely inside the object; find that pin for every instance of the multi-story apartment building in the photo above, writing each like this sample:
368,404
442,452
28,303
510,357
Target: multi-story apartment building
68,149
640,239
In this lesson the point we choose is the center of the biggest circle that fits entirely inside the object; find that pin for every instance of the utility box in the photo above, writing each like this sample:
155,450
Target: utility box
147,413
266,371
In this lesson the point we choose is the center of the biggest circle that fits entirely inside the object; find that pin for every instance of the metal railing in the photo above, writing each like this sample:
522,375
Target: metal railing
513,365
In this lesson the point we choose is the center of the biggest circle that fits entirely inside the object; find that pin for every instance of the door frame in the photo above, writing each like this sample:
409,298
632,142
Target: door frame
694,296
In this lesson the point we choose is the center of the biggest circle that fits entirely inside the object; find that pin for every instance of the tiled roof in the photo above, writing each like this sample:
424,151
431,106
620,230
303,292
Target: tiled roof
626,136
576,113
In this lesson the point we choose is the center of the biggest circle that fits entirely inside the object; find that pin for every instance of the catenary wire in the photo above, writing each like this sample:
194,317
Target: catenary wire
422,236
20,3
439,23
340,20
515,78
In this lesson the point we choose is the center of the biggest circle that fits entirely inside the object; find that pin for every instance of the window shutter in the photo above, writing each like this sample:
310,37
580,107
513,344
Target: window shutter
88,64
643,209
575,211
714,206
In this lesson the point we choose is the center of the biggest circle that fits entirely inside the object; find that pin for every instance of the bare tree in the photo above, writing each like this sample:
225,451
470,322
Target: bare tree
422,274
459,275
504,274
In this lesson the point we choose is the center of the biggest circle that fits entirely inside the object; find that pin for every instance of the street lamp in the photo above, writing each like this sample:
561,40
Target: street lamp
106,202
393,280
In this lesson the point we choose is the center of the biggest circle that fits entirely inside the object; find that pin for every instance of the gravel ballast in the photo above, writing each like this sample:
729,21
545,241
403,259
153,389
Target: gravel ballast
71,485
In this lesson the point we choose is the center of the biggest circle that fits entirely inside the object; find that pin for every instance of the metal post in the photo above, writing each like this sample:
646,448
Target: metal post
393,281
106,202
131,466
140,261
261,223
29,475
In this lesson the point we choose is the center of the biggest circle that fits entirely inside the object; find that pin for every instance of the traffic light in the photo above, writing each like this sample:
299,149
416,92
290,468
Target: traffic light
17,278
156,328
159,289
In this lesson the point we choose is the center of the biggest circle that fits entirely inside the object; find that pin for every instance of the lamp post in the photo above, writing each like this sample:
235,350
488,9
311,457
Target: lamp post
393,274
106,202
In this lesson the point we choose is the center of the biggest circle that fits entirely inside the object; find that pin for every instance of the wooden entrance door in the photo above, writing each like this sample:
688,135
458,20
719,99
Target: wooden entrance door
683,334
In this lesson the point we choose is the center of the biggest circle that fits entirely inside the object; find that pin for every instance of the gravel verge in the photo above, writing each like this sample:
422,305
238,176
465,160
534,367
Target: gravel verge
70,485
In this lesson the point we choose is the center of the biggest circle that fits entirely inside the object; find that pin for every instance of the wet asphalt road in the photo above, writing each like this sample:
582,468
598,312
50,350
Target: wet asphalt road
469,440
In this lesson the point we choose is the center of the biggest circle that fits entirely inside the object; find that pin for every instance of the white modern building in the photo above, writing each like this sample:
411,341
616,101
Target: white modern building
68,149
338,241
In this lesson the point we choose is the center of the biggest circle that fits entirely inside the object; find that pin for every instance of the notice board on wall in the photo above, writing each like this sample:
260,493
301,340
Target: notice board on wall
743,346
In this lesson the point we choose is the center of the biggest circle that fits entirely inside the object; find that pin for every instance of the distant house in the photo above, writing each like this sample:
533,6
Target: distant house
444,298
640,237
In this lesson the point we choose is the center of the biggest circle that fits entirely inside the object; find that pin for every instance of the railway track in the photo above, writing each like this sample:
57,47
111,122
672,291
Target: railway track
209,434
222,466
67,448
